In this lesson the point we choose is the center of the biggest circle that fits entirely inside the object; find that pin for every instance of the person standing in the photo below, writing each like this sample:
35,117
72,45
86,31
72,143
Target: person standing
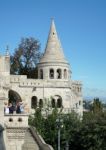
6,108
11,108
18,110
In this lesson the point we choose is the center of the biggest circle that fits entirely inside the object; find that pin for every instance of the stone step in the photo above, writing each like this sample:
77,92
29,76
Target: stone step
30,143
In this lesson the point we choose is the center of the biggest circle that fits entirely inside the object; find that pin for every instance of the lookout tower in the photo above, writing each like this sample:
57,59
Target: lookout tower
53,64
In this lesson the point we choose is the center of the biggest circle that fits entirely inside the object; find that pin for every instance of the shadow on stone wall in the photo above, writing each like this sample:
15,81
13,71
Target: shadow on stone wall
2,144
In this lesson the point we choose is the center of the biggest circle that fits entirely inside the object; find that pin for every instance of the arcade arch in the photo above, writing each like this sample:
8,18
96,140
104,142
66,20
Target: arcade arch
34,102
56,101
14,97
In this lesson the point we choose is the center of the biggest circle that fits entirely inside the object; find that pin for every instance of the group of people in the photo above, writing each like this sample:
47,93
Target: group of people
10,108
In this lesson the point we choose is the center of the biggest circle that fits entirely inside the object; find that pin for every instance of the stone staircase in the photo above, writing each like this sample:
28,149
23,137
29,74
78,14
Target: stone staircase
16,138
30,143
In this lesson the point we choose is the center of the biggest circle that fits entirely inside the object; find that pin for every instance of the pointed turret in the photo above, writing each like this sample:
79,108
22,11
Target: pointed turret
53,51
53,64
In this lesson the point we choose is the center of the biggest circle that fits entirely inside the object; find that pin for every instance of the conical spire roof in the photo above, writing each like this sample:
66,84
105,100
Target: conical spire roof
53,51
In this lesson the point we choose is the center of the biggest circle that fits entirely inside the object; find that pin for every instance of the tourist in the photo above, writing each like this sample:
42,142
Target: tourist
11,108
6,108
18,110
22,107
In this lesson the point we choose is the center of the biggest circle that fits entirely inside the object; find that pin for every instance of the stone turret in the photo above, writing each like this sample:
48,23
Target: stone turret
5,63
53,64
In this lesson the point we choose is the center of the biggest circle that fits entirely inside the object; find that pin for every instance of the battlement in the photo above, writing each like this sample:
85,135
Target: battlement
77,87
25,82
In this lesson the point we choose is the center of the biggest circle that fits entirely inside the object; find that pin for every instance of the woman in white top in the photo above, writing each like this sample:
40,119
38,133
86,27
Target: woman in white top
6,109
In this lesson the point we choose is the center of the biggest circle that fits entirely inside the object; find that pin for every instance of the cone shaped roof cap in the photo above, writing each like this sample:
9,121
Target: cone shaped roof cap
53,51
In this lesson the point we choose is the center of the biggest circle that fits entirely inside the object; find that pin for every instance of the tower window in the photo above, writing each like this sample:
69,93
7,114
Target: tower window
59,74
65,74
41,74
51,74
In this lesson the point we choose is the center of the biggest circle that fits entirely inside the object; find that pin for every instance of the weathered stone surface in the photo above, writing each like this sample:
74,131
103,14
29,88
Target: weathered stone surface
54,83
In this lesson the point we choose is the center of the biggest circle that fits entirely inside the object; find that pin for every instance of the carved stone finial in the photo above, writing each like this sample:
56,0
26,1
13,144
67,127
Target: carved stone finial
7,51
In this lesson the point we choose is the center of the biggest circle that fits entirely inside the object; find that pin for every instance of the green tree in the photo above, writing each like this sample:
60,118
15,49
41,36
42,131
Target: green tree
47,126
86,134
97,106
37,121
26,57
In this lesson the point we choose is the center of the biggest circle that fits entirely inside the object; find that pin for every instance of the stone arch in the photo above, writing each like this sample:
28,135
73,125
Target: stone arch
14,97
59,73
41,73
41,103
51,73
58,100
34,102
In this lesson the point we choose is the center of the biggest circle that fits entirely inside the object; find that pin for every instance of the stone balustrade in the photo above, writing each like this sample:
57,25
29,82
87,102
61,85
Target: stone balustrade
16,120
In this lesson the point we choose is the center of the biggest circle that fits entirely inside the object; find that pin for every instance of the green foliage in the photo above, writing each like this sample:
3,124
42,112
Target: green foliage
86,134
37,120
92,133
25,58
97,106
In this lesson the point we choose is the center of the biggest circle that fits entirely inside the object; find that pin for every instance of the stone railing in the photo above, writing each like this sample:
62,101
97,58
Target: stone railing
39,140
16,120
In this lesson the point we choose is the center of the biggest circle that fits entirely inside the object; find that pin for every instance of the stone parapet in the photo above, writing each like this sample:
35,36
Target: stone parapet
16,120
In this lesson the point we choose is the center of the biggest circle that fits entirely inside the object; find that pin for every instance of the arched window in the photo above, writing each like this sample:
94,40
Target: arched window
14,97
34,102
79,102
40,103
59,103
51,74
65,74
59,74
53,103
41,73
76,105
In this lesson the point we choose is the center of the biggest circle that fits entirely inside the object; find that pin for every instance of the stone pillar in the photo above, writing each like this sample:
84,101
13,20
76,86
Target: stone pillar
2,126
1,110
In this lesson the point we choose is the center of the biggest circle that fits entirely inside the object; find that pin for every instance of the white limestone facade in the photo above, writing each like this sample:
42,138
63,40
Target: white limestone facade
54,88
54,85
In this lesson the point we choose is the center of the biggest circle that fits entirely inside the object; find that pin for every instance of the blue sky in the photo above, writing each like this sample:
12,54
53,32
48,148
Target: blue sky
81,26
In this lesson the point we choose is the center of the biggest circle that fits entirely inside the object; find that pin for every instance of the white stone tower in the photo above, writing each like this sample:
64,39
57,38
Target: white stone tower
53,64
